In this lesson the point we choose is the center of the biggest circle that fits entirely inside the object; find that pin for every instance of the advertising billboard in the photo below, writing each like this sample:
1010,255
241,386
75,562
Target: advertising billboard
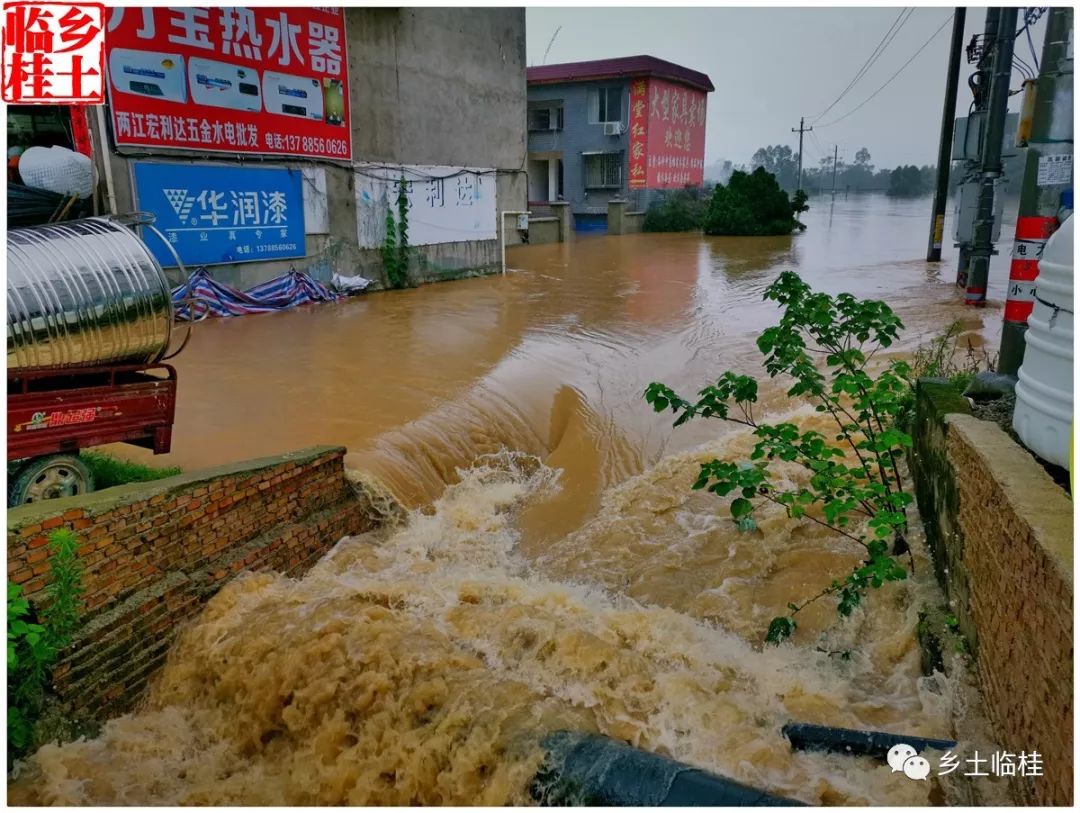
230,79
675,146
445,204
214,214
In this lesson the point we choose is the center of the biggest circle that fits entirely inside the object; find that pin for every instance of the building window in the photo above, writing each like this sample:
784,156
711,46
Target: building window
603,170
605,104
545,118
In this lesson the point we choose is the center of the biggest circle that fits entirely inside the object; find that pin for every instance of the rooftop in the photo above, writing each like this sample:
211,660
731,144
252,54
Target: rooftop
615,68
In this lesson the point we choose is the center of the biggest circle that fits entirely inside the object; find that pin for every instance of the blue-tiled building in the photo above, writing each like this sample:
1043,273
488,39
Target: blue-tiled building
584,136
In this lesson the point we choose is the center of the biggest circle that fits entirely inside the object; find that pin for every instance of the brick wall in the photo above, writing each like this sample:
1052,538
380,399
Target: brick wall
152,553
1001,533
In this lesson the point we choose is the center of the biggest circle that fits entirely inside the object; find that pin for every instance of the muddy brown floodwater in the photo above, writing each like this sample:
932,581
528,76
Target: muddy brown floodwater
556,570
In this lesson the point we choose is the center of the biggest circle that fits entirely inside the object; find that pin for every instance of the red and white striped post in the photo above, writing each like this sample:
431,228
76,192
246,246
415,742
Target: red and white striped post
1032,232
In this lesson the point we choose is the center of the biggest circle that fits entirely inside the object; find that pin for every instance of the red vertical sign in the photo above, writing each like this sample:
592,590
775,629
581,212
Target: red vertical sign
675,136
639,120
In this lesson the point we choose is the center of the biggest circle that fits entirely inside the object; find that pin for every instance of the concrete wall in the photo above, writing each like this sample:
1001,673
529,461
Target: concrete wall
543,230
441,86
578,136
152,553
1001,535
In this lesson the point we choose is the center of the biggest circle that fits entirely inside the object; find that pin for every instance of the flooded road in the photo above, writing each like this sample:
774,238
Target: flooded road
551,359
557,572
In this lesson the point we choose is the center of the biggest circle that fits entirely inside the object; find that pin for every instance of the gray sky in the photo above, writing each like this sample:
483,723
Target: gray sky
772,65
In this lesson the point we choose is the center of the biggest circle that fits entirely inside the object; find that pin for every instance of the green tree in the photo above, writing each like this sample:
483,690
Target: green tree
853,483
751,205
780,162
906,181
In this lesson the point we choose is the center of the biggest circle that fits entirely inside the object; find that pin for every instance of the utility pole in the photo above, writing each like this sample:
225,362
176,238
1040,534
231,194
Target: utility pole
834,151
802,129
976,119
1047,174
948,117
982,244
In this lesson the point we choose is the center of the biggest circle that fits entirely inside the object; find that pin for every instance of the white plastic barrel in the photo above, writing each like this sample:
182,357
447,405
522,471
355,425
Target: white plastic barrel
1044,405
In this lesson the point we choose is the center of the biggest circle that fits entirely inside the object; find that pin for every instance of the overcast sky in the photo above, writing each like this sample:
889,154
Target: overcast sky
772,65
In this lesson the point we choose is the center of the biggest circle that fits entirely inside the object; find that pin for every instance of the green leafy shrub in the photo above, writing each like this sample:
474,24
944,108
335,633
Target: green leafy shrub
34,642
753,205
855,486
942,357
677,210
109,471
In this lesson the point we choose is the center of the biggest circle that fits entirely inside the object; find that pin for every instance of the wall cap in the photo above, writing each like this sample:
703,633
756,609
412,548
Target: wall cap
100,502
1040,502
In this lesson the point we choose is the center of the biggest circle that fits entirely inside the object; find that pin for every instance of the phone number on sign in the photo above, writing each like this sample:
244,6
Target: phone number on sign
308,145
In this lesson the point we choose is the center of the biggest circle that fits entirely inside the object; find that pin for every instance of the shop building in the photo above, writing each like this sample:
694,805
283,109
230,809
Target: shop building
264,139
613,128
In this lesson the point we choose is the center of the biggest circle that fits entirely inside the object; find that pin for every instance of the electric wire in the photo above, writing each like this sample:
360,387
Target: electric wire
1031,45
888,37
891,78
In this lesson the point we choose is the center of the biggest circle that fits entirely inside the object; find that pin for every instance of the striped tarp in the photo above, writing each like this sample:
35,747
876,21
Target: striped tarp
215,298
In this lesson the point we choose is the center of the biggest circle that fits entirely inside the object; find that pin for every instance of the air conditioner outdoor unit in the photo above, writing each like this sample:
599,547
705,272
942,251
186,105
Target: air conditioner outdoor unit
613,128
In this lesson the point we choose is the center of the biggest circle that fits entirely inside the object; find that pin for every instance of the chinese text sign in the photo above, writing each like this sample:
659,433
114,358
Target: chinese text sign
445,204
222,214
53,53
675,135
230,79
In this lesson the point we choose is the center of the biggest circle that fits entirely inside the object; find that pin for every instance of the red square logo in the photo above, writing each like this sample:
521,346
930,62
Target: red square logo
53,53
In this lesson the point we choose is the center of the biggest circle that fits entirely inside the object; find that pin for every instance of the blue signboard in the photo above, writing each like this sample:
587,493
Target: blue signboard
215,214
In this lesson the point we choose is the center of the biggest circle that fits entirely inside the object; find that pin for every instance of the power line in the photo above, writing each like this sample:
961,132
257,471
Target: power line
891,78
890,34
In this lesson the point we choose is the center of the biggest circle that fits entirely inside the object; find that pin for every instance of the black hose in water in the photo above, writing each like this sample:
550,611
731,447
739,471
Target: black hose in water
593,771
809,737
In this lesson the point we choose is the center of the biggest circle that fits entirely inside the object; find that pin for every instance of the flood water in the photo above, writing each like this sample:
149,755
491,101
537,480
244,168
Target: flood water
556,570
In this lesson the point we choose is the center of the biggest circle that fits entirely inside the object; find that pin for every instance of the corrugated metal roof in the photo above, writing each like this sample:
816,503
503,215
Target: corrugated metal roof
612,68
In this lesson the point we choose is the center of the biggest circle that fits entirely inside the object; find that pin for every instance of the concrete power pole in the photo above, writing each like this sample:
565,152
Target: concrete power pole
982,244
948,116
1047,174
834,151
802,129
976,119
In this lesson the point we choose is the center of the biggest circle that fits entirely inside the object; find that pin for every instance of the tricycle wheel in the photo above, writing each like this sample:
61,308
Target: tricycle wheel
49,477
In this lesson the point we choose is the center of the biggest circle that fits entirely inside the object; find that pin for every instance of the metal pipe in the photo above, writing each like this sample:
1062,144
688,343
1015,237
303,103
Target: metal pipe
502,234
106,158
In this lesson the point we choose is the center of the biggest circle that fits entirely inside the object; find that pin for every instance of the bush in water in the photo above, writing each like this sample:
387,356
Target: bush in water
677,210
855,486
753,205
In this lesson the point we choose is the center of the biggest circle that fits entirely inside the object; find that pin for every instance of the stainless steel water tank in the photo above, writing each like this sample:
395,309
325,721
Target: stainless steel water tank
85,293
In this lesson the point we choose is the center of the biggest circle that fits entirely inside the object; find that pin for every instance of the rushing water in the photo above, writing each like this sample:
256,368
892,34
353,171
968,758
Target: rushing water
556,571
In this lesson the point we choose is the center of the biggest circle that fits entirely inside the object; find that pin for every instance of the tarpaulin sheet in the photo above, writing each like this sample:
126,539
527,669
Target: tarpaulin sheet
215,298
